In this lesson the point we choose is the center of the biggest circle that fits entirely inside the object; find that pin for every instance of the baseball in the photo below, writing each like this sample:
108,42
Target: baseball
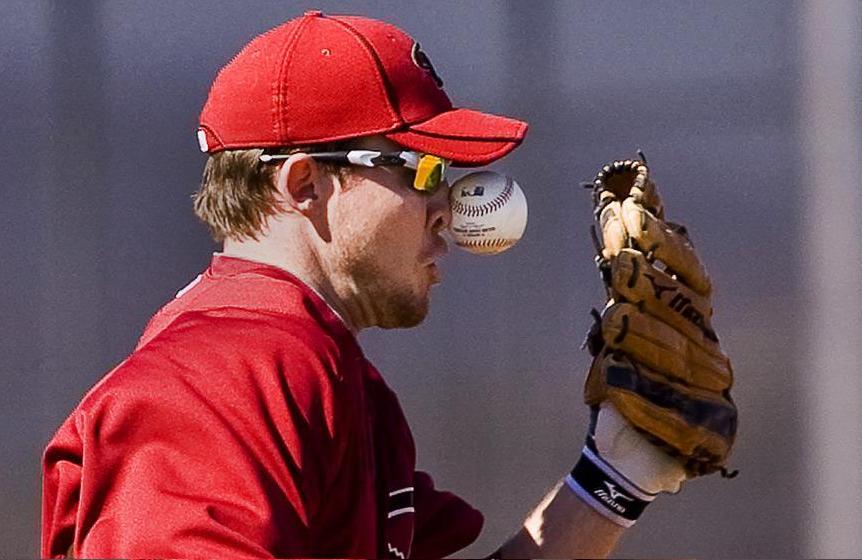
489,212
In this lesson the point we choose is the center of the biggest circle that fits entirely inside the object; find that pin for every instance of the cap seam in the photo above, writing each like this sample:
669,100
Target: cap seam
279,98
388,90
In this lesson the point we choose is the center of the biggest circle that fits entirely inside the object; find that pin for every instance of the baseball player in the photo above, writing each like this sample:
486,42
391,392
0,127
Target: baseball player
248,422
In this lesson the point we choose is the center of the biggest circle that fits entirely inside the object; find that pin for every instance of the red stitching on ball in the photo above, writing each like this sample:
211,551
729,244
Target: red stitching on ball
497,242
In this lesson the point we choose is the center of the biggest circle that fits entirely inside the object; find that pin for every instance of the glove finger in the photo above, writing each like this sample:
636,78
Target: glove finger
645,192
667,244
659,346
694,424
634,280
612,184
614,237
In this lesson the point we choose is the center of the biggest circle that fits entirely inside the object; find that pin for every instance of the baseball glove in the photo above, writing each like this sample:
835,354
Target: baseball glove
656,356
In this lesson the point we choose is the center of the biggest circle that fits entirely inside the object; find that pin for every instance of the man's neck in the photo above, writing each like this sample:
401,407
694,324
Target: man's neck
300,264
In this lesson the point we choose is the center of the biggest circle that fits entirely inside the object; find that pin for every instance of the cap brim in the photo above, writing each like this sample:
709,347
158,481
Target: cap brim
468,138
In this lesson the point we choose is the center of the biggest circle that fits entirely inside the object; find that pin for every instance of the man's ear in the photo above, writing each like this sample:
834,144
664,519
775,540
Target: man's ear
301,184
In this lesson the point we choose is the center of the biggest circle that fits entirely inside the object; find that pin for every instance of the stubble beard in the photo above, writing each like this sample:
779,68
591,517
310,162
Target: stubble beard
394,305
404,311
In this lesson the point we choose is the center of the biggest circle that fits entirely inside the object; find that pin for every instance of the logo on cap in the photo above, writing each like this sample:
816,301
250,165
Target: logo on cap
421,60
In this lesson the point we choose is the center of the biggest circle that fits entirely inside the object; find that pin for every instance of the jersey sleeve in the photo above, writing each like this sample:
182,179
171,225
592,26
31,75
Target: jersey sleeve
210,441
445,523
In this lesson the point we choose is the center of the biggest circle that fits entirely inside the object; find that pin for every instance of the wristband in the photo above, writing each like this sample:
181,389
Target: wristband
606,490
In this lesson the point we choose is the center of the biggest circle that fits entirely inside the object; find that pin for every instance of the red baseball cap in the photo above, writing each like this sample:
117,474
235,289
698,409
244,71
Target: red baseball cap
321,78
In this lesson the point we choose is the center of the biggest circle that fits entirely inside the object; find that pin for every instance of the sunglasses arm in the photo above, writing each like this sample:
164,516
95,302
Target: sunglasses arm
364,158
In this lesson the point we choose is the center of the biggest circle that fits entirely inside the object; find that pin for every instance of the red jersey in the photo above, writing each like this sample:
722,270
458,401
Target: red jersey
247,422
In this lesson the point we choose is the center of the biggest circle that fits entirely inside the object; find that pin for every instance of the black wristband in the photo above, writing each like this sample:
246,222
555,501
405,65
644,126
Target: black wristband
606,490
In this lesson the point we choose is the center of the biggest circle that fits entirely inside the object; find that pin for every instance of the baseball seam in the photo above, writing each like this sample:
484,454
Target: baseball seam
492,205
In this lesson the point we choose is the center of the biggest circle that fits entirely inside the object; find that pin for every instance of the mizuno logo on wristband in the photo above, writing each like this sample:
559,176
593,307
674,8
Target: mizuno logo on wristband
610,496
616,494
606,490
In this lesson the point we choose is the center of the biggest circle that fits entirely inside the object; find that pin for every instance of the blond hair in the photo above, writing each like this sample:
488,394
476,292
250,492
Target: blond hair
237,192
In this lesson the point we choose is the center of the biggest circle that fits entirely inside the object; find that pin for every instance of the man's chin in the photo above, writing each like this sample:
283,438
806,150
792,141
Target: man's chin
405,313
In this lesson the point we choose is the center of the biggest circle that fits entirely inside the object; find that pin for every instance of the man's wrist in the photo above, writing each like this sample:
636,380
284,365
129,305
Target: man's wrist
606,490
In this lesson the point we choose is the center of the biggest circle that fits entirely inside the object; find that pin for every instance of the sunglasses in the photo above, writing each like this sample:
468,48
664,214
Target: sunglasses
430,170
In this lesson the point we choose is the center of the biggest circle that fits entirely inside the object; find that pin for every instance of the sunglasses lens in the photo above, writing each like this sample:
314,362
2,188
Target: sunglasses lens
429,174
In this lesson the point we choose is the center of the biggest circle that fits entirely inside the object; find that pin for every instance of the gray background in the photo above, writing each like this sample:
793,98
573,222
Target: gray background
98,159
